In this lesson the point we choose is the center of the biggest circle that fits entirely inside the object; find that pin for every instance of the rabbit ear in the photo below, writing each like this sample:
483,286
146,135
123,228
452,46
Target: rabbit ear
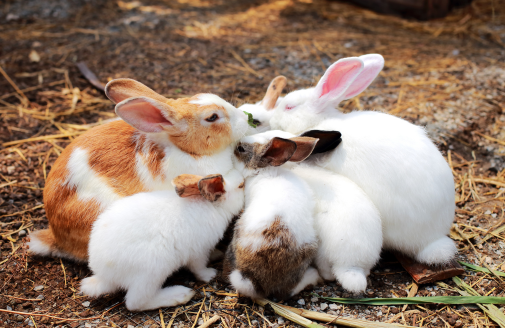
187,185
338,78
373,66
273,92
212,187
327,140
118,90
148,115
304,147
278,151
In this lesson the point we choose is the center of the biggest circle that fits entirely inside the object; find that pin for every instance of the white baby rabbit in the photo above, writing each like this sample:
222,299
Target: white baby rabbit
262,110
394,162
347,224
141,240
274,241
156,140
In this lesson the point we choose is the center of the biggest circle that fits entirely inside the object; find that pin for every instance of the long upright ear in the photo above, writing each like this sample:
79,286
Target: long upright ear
118,90
304,147
327,140
373,66
273,92
212,187
187,185
338,78
277,151
146,114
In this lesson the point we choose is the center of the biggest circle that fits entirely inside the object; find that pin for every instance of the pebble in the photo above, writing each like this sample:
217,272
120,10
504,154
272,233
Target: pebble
22,233
131,326
334,306
9,308
301,302
38,288
41,297
315,299
489,260
324,306
280,320
254,322
379,313
20,318
87,325
10,169
86,304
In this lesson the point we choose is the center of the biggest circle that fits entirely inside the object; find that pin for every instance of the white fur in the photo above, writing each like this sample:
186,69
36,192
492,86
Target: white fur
88,183
142,239
348,226
272,193
311,277
37,247
393,161
243,285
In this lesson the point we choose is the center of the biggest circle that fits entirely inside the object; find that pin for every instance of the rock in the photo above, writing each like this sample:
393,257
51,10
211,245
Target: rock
254,322
394,310
88,325
20,318
34,56
86,304
130,326
41,297
280,320
334,306
9,308
314,299
86,313
38,288
301,302
324,306
22,233
10,169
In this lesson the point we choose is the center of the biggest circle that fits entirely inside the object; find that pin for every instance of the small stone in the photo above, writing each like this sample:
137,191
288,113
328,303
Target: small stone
12,17
20,318
88,325
200,322
254,322
280,320
458,324
34,56
455,52
9,308
41,297
348,44
486,213
86,304
379,313
301,302
10,169
324,306
86,313
22,233
489,260
38,288
130,326
36,44
314,299
334,306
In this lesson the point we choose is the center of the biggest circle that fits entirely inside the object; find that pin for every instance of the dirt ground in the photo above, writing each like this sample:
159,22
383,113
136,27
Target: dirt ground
447,75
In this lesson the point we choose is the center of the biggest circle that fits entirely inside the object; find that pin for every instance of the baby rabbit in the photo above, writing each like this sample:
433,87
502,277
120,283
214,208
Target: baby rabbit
261,111
142,239
347,224
156,140
394,162
274,241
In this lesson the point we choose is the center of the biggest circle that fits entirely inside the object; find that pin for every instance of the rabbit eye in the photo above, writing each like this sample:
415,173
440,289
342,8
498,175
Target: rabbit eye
240,149
212,118
256,122
290,107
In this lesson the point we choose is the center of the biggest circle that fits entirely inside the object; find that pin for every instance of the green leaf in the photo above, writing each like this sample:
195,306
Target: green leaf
250,119
178,90
480,269
448,300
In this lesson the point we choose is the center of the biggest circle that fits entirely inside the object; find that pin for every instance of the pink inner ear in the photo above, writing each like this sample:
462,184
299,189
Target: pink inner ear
142,114
339,76
373,66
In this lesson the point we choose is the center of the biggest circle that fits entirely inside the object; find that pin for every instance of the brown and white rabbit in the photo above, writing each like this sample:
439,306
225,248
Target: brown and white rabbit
274,240
156,140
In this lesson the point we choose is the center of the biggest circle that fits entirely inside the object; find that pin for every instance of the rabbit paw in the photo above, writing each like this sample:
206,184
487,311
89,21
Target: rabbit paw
94,287
206,274
352,279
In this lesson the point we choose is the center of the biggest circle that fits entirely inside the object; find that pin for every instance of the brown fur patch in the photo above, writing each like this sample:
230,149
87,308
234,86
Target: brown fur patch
187,185
121,89
277,266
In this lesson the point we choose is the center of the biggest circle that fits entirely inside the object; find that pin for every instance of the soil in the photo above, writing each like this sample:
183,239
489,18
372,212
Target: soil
447,75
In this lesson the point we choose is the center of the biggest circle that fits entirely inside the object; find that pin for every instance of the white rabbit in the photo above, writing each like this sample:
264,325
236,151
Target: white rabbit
157,140
262,110
274,241
348,226
394,162
142,239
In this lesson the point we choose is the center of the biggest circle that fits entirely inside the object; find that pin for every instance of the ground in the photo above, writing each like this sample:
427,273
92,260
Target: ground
447,75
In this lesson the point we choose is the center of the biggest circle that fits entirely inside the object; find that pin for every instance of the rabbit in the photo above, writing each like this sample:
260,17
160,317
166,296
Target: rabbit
156,140
274,241
261,111
393,161
140,240
348,226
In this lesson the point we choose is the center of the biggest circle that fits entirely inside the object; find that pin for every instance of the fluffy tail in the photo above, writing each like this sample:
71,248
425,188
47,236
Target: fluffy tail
42,243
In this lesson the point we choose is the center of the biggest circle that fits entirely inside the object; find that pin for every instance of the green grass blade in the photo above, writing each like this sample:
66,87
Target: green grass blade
491,310
480,269
448,300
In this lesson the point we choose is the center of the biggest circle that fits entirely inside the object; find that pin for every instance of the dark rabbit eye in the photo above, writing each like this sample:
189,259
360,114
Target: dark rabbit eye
240,149
256,122
212,118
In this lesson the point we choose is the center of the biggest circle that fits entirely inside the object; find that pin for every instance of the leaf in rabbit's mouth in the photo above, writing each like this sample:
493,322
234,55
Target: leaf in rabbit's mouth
250,119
